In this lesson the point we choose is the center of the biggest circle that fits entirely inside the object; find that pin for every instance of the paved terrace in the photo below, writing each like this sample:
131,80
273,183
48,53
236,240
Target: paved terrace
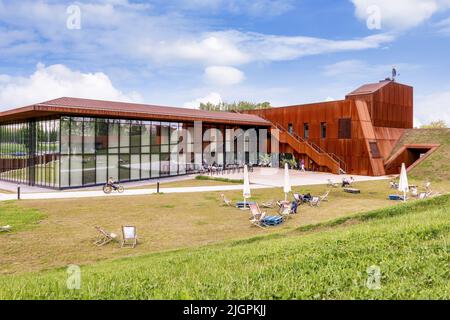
260,178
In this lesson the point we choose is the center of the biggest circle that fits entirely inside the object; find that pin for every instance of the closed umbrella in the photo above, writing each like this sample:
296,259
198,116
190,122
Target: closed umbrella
246,190
287,183
403,185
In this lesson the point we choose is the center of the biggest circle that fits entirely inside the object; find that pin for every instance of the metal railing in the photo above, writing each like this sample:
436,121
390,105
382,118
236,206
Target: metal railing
339,161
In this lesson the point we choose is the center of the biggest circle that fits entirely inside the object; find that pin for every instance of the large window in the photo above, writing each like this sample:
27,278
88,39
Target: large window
345,128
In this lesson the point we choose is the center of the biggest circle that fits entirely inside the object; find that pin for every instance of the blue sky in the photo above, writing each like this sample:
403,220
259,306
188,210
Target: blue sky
183,52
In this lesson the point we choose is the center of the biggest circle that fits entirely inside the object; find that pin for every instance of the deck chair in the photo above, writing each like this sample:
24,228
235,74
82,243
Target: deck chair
226,201
5,228
297,197
324,197
333,184
104,237
257,218
269,204
129,236
427,187
315,202
285,212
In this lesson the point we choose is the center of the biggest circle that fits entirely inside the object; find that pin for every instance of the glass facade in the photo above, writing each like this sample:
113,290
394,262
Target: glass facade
71,152
29,152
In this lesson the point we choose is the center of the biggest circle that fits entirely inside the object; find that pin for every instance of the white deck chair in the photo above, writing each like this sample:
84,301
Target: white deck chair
285,212
315,202
324,197
257,218
268,205
129,236
105,237
226,201
333,184
5,228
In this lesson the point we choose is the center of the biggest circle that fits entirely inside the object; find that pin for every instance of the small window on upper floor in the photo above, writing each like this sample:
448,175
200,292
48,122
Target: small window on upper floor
290,128
306,130
345,128
323,130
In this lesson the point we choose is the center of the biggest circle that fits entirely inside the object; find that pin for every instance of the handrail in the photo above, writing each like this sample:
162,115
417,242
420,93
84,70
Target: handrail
313,145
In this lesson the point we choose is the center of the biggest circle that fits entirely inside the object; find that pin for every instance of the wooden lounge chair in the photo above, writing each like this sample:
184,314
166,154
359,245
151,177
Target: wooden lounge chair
129,236
285,212
104,237
315,202
5,228
297,197
324,197
269,204
225,201
257,218
333,184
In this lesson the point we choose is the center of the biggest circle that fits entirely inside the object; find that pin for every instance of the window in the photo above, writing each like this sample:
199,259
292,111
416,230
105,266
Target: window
374,149
290,128
345,128
323,130
306,130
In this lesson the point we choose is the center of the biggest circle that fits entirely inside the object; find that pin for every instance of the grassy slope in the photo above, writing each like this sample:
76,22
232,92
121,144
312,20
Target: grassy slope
20,219
164,222
408,242
437,166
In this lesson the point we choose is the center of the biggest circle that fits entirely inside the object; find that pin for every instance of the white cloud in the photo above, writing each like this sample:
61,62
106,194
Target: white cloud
223,75
358,70
212,97
444,26
56,81
258,8
128,31
431,107
401,14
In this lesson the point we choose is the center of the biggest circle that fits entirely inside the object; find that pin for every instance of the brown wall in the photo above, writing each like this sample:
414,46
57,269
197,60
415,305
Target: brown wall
391,106
377,117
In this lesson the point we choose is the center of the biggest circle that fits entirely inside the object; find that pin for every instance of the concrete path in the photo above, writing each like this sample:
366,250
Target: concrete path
261,178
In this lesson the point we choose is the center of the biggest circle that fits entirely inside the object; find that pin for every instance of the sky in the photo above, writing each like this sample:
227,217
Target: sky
184,52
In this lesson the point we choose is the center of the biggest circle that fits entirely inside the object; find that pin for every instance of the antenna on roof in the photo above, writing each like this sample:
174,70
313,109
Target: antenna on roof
394,73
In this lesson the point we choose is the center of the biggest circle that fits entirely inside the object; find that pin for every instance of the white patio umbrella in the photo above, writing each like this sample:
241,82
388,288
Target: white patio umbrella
287,183
403,185
246,190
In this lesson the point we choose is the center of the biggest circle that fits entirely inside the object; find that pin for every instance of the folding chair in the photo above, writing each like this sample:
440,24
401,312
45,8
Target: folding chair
104,237
129,236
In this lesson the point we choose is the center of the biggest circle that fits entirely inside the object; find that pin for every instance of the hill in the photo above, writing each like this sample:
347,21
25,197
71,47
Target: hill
407,242
437,166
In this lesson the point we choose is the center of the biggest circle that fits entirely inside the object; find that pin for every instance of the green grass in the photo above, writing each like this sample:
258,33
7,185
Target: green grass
408,242
437,166
19,218
239,181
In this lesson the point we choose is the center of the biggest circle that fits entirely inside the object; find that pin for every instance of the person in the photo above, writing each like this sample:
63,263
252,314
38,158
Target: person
294,206
111,183
302,164
347,182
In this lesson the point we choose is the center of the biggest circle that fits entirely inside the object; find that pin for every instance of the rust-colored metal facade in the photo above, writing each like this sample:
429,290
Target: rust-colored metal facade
379,113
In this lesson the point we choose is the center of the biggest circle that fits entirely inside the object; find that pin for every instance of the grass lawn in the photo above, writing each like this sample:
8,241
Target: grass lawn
164,222
409,243
20,218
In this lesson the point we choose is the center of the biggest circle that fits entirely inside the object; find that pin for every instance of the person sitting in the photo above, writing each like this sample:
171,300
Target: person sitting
111,183
347,182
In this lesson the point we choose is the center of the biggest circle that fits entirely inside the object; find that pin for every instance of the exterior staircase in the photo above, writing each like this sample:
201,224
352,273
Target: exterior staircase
335,164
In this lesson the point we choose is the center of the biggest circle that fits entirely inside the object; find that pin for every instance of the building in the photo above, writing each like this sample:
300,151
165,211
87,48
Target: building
70,142
355,135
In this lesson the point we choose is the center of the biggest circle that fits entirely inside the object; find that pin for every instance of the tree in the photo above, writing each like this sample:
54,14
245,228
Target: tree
235,106
438,124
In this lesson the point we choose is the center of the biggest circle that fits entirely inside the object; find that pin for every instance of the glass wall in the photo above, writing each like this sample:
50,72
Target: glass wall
29,152
82,151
